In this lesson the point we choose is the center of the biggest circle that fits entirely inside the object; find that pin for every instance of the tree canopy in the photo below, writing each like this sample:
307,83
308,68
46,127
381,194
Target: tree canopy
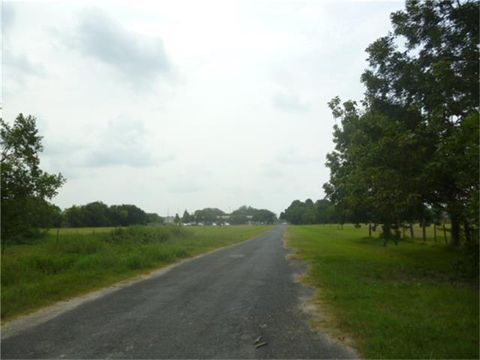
26,188
412,146
99,214
308,212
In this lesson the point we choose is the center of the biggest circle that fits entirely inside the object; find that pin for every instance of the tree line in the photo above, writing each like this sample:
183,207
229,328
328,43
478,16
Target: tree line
309,212
99,214
27,190
242,215
325,212
410,149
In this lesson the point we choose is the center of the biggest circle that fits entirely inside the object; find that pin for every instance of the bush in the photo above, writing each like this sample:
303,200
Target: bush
78,244
145,234
49,265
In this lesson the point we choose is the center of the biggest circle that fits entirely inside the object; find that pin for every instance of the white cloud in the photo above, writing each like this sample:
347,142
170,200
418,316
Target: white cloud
244,122
290,103
139,59
296,157
122,142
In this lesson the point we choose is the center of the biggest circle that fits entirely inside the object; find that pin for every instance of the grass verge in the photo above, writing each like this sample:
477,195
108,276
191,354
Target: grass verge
81,260
402,301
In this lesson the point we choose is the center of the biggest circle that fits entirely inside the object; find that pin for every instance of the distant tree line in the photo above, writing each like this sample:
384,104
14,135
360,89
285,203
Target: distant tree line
410,152
26,191
309,212
99,214
243,215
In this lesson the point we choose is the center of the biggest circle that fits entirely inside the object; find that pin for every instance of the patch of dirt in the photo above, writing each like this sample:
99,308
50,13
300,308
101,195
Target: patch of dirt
310,302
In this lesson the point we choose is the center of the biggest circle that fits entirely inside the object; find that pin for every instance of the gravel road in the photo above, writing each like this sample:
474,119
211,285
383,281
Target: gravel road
214,306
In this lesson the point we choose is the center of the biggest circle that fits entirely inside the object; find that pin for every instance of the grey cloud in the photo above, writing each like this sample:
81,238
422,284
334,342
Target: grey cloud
8,15
62,156
18,72
18,66
184,187
292,157
54,148
273,172
290,103
22,65
122,143
138,58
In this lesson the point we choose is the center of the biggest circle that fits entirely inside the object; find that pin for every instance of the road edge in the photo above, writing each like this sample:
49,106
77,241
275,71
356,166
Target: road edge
24,322
310,307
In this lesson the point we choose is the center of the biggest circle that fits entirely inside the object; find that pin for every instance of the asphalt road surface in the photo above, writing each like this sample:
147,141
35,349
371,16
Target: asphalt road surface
215,306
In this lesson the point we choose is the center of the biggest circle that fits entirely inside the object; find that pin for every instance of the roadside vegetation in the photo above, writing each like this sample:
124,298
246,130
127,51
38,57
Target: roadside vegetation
409,152
406,154
415,300
79,260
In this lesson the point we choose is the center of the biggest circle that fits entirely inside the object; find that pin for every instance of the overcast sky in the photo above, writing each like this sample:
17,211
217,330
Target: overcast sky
174,105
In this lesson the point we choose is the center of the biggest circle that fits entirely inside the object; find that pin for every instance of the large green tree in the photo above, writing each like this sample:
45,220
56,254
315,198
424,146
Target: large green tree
376,168
414,144
430,62
208,215
26,188
308,212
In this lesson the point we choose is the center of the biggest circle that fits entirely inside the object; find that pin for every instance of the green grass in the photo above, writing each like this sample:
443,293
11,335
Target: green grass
404,301
38,274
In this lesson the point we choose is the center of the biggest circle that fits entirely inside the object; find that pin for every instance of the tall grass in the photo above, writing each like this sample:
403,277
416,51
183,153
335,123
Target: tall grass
80,260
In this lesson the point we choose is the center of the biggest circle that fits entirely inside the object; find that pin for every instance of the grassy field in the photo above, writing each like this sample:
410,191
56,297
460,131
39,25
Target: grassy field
81,260
404,301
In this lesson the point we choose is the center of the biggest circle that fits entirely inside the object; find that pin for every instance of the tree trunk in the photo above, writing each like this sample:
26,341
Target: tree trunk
403,231
369,230
455,231
424,233
435,232
445,233
412,236
386,233
397,232
468,232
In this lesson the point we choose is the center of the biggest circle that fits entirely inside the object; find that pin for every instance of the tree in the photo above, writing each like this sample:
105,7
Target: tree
25,187
154,218
376,168
294,213
208,215
431,63
264,216
177,220
74,216
325,212
187,218
321,212
414,144
96,214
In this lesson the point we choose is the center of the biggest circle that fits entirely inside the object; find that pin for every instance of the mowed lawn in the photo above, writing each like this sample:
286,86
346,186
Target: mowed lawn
80,260
404,301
